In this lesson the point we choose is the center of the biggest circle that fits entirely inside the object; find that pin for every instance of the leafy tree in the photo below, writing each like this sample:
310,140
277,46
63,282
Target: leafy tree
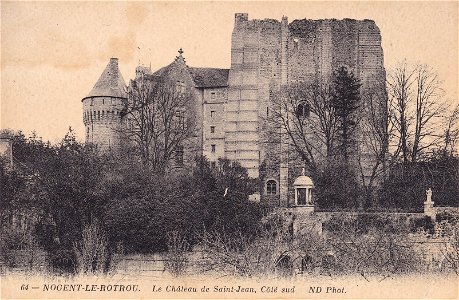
346,101
406,184
337,187
13,185
186,202
63,184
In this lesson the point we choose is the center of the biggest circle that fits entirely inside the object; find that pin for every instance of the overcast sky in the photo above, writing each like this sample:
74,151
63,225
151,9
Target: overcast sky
52,53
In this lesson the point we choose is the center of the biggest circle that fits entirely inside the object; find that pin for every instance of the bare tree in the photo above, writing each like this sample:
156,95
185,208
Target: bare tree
175,259
92,251
450,135
450,251
416,106
375,132
272,250
371,247
158,122
307,116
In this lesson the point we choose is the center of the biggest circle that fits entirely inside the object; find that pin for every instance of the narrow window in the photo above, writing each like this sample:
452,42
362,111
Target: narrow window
181,119
295,44
212,129
179,155
212,147
271,187
212,113
212,95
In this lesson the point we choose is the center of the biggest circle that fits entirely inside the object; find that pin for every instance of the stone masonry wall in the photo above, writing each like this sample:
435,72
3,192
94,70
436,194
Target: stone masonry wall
267,55
213,100
102,120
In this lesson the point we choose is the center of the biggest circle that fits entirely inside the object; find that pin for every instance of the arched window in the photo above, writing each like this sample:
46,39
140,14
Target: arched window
302,110
271,187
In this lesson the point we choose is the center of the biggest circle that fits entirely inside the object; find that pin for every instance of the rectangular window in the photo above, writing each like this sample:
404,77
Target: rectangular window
212,113
212,129
180,87
180,119
212,148
212,95
179,155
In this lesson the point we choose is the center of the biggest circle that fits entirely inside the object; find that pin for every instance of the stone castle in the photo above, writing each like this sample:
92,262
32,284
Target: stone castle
231,105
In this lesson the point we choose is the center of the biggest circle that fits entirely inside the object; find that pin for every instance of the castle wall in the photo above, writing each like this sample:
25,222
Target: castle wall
241,112
102,120
213,102
267,55
6,148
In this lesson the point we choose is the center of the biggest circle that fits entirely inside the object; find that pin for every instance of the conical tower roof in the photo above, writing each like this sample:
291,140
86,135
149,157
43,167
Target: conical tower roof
110,83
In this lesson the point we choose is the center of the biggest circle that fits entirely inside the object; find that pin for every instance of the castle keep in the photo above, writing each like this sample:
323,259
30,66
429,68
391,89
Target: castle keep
231,106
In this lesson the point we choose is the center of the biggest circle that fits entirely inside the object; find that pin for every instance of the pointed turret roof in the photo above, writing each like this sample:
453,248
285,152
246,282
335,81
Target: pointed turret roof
110,83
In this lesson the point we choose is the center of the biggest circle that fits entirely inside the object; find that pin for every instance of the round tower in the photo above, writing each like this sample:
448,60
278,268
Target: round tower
103,107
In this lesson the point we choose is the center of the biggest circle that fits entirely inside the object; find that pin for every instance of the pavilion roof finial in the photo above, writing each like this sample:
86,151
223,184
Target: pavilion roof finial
303,172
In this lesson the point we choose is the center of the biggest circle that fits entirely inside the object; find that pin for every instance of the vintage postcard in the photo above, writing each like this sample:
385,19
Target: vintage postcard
229,150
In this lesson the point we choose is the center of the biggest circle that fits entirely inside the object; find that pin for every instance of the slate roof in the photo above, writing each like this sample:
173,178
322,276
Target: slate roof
110,83
209,77
202,77
161,71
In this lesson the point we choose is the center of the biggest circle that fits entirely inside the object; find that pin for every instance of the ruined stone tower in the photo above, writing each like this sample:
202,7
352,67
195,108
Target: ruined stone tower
102,108
268,55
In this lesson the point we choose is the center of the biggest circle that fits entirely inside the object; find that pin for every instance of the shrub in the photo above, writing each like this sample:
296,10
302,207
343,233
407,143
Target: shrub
175,259
91,253
425,223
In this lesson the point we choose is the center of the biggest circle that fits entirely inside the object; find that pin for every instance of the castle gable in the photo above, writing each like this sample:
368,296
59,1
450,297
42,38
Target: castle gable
110,83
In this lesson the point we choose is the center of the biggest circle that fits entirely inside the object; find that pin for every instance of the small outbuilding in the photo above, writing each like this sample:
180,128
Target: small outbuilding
304,190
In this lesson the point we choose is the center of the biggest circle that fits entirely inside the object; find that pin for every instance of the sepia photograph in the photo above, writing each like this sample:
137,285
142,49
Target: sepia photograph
229,150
